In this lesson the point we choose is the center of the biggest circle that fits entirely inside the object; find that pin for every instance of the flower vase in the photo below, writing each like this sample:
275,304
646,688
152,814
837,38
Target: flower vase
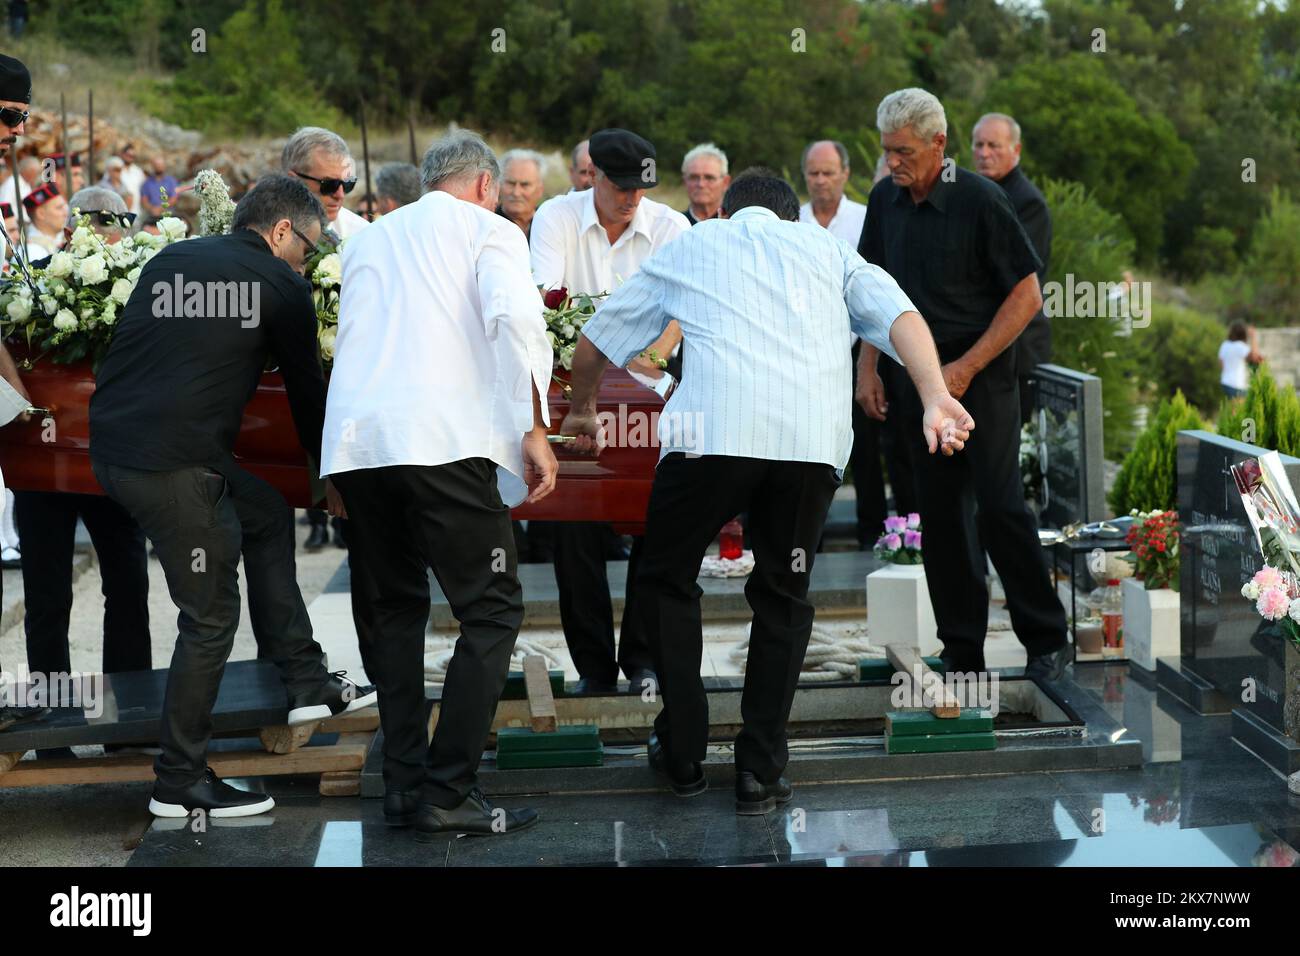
899,609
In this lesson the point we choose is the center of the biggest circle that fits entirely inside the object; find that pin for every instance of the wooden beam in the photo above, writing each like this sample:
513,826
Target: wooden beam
908,661
284,739
541,704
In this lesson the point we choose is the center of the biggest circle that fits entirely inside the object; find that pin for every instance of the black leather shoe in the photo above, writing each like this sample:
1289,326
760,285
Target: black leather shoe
338,695
588,685
1049,667
20,715
637,681
754,798
337,538
400,807
476,816
207,793
687,779
318,538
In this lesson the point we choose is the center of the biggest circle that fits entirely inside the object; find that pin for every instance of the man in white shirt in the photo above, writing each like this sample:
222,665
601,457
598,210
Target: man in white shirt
826,171
591,242
581,172
133,176
704,174
322,157
761,425
435,427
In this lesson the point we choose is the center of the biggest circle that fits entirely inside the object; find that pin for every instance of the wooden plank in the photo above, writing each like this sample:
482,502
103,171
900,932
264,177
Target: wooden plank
284,739
355,722
340,783
541,703
908,660
8,761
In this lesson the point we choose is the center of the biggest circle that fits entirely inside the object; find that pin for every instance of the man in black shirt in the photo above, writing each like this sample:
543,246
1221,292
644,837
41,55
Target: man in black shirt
995,142
952,241
190,347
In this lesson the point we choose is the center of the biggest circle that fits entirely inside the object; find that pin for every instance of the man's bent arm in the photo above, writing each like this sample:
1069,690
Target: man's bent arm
1013,315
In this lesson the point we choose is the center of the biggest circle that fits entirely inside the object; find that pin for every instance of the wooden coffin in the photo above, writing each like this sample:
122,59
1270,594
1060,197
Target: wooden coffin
615,487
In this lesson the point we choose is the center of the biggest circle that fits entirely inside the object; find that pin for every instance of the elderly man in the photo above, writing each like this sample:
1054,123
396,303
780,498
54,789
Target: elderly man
825,167
769,383
397,185
47,526
581,173
323,159
588,242
704,173
996,144
436,427
171,464
953,242
523,174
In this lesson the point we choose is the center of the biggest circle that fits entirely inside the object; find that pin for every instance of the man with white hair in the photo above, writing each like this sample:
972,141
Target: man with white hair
523,175
435,427
996,144
952,240
397,185
322,157
581,173
705,175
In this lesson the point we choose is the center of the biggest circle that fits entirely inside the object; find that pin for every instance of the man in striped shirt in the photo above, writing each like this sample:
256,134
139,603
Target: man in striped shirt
768,308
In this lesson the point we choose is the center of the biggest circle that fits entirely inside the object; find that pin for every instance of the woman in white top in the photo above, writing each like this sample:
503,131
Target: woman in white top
1234,354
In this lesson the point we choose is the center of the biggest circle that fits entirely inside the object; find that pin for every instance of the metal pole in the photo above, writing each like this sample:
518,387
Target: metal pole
410,130
18,208
67,159
365,156
90,152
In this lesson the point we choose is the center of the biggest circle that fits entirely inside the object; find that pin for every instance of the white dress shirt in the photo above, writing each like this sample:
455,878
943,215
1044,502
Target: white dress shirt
441,344
39,245
133,178
765,307
847,222
571,249
348,223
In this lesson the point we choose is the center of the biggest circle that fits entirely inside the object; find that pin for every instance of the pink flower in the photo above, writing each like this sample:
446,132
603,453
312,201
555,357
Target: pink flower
912,539
914,521
895,524
1267,577
1273,604
893,542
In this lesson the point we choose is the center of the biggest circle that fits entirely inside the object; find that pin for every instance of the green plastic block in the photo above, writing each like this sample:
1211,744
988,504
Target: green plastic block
516,689
938,743
536,759
879,668
564,737
911,723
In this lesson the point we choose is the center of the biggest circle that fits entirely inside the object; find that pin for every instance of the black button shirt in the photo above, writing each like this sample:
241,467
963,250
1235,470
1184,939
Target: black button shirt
171,391
957,255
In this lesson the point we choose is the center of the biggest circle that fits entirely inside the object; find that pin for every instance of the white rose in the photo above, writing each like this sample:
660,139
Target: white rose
121,291
19,309
329,271
65,320
87,312
83,242
1294,610
133,276
327,337
109,315
49,305
1250,590
92,269
172,228
61,264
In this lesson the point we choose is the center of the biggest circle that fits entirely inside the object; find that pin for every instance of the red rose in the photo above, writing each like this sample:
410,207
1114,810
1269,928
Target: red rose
1160,546
554,298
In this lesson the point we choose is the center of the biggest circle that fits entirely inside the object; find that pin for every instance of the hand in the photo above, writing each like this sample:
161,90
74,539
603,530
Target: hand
588,429
645,367
871,395
946,425
957,376
334,501
540,467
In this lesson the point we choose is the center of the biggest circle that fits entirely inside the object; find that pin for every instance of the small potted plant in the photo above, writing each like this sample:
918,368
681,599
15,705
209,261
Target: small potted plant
898,600
1150,596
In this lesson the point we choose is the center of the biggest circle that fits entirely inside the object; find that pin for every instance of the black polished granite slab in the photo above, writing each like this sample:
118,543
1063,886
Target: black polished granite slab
127,709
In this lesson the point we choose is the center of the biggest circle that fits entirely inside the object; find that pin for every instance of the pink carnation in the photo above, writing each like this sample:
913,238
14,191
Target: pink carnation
894,524
893,542
913,520
1273,604
912,539
1267,577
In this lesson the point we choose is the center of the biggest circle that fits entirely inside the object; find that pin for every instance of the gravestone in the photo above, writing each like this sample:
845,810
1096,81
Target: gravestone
1067,410
1224,643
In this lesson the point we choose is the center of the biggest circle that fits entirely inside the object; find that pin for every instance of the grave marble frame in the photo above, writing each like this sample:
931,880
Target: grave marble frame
1225,645
1060,392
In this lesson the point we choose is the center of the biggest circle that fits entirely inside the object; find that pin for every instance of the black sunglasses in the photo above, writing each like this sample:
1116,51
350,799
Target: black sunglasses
106,218
311,246
13,118
330,186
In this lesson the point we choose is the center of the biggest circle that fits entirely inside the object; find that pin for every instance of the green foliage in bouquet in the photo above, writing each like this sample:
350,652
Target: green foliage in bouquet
1147,479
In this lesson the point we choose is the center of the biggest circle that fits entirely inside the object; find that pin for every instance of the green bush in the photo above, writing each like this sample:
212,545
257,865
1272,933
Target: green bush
1268,415
1179,351
1266,289
1148,477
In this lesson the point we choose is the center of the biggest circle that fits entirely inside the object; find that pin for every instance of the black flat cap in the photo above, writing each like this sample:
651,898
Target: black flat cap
627,160
15,80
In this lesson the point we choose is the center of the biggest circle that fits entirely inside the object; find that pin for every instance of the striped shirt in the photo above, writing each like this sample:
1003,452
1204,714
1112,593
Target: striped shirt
767,309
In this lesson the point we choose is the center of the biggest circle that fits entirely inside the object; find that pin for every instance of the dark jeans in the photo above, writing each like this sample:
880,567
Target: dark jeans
973,503
200,522
691,500
408,519
47,527
586,609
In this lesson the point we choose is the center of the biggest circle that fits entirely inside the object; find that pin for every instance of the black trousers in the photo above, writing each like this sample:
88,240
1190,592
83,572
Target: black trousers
47,527
449,518
870,438
586,609
691,500
973,503
200,522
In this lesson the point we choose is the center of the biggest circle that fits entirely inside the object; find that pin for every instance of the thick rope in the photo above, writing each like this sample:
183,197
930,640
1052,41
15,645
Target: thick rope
435,667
